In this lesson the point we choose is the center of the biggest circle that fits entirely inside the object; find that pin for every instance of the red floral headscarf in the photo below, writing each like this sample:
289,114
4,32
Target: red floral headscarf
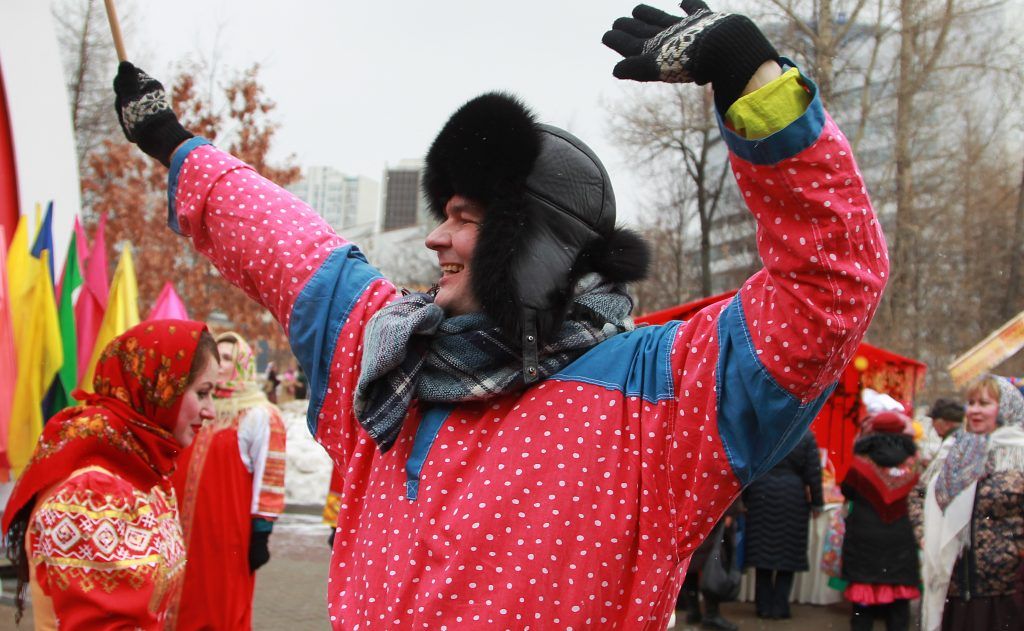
126,425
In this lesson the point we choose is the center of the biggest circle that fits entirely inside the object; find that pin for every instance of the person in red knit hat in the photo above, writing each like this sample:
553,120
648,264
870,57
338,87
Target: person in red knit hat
880,561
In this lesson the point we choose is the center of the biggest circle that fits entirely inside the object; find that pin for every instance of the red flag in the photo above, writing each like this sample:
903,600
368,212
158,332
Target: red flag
92,301
8,360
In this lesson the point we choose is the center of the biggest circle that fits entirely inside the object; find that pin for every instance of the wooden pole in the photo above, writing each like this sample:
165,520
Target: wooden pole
115,30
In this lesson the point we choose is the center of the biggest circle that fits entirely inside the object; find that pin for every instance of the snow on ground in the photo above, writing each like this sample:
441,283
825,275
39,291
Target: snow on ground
308,471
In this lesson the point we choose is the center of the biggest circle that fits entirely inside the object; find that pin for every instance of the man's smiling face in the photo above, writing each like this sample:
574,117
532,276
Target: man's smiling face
455,241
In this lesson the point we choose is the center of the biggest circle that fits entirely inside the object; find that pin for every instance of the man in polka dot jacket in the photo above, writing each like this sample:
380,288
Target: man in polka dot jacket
571,496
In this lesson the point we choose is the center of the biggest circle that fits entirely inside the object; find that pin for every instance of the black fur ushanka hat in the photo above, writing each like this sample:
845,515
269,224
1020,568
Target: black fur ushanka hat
549,215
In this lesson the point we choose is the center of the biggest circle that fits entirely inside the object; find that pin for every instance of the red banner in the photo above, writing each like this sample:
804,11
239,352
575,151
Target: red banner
8,172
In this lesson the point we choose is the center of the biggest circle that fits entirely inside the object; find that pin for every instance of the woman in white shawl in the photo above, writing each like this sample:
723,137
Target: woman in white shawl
974,517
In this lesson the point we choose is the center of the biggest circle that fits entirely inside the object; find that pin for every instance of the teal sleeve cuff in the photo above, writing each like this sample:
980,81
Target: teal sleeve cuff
177,160
785,143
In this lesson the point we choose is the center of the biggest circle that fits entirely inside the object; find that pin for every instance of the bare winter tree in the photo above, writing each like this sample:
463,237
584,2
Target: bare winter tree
675,275
903,78
89,62
1012,297
672,135
936,86
927,92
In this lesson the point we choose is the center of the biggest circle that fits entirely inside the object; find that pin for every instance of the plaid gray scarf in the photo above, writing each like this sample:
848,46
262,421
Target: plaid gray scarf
411,350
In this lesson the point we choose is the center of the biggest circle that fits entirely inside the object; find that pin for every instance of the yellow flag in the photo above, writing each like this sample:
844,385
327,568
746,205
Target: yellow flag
122,311
40,356
20,266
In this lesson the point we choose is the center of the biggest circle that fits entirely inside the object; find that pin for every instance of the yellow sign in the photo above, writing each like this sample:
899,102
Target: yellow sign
989,353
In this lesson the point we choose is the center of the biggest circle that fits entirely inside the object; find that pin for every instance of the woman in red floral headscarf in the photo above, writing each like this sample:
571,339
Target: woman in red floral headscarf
92,524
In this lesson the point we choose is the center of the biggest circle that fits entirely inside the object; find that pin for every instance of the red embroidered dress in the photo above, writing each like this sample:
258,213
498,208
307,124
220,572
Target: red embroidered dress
230,478
94,505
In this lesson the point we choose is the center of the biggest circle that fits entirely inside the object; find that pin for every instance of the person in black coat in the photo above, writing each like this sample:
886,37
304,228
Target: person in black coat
778,507
689,595
880,560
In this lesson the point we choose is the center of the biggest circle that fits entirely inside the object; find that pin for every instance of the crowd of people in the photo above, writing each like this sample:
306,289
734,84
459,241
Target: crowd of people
933,515
510,450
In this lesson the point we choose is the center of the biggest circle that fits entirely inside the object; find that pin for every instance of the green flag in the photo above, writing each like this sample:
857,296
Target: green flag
68,375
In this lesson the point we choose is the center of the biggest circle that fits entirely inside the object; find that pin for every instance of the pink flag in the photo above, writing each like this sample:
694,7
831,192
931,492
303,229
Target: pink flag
168,305
92,301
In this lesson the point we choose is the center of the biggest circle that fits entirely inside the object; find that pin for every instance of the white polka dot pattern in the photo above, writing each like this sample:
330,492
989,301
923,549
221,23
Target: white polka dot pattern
261,237
825,260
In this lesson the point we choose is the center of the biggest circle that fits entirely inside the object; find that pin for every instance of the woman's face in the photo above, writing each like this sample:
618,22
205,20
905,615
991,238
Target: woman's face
196,404
226,350
982,410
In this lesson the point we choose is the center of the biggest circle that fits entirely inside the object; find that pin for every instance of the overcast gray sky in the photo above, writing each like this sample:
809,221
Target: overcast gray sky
361,84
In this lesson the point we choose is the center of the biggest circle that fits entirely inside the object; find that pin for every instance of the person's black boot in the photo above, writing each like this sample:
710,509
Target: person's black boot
713,618
693,610
692,605
716,621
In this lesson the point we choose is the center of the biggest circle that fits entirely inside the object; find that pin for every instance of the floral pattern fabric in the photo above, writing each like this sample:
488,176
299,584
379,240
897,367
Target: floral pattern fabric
126,424
998,543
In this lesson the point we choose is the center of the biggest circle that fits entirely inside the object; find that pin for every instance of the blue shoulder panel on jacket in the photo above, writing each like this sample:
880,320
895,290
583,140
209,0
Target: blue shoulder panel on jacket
637,363
177,160
785,143
759,421
318,314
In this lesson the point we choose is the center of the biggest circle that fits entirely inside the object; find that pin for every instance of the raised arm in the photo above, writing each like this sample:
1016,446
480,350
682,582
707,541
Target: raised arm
751,374
266,241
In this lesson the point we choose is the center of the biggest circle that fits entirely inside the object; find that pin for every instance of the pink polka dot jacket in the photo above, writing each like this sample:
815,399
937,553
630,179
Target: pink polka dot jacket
576,503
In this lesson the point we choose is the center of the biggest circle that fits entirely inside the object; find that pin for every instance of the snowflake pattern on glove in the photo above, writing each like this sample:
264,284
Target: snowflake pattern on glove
674,45
146,106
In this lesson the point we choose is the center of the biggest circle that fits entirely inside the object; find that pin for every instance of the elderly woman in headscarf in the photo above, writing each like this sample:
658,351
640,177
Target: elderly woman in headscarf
92,524
973,526
231,487
880,562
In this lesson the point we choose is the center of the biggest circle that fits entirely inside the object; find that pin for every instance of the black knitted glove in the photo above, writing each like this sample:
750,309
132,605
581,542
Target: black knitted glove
259,550
144,114
721,48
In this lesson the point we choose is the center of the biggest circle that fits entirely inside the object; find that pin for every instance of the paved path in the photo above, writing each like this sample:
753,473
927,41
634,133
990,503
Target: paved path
291,590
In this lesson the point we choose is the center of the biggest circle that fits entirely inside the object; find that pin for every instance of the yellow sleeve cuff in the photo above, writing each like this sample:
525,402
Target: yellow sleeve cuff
770,108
